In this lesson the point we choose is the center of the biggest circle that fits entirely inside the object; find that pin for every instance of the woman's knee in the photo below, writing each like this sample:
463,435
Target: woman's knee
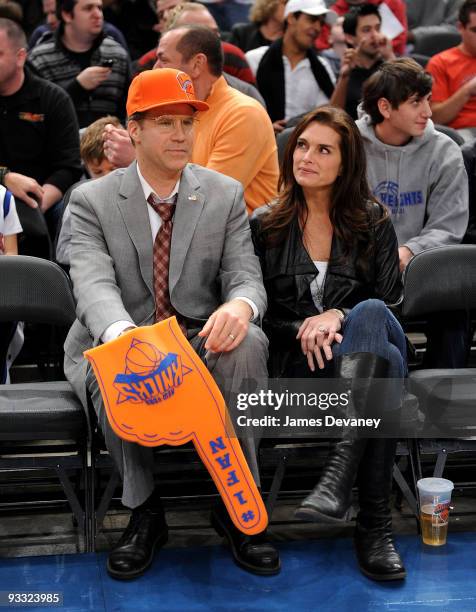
371,310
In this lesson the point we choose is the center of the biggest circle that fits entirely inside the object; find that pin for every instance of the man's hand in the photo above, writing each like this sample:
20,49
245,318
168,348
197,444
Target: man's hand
348,62
318,333
51,195
92,77
118,147
24,188
386,49
279,126
404,255
227,327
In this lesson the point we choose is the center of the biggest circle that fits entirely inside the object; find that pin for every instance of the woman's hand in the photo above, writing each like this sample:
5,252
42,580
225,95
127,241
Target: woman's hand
318,333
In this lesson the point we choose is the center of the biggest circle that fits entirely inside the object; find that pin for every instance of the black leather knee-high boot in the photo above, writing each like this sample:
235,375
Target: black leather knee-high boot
376,553
331,497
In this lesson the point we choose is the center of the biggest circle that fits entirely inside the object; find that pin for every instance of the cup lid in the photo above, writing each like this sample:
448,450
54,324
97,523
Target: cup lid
435,485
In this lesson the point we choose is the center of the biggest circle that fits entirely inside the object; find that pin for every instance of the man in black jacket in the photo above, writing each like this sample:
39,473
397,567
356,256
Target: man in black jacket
39,134
93,68
291,77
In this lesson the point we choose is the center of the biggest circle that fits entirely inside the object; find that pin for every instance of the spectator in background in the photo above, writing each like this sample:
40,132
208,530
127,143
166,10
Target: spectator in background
454,78
291,77
368,50
96,165
418,174
91,67
11,334
266,25
398,8
39,142
11,10
338,46
234,137
52,23
237,71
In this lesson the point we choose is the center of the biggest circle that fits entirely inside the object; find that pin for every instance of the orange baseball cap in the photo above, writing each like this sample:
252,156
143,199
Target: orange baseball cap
160,87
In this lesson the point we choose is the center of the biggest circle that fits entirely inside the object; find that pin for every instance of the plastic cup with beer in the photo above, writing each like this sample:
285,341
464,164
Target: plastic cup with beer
435,497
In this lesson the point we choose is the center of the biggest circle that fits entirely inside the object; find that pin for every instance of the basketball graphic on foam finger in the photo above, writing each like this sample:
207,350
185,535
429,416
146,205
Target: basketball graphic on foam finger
142,358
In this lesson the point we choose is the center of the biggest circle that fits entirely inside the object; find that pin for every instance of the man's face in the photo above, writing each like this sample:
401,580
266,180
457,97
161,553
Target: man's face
411,117
468,35
11,61
86,20
304,29
367,35
49,11
167,54
164,139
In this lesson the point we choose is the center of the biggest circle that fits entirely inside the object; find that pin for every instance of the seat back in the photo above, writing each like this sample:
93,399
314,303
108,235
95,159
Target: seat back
282,141
36,291
451,132
432,42
440,279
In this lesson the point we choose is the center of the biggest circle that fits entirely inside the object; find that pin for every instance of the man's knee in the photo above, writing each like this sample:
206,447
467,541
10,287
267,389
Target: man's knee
254,344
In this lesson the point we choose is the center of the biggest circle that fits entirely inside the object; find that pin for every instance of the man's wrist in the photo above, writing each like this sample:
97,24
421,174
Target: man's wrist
3,173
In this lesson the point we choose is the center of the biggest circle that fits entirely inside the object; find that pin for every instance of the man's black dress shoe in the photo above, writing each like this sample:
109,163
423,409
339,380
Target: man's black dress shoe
252,553
134,552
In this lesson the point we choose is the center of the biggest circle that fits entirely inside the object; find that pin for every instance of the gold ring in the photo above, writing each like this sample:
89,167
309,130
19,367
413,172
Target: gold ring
232,336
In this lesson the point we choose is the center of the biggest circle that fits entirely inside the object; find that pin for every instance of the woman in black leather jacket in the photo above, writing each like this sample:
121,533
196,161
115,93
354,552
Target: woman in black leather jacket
329,256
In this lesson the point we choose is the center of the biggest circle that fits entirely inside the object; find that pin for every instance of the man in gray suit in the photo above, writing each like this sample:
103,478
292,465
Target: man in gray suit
214,287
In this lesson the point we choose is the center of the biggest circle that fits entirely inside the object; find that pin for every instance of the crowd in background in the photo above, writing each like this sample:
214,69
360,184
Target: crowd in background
65,73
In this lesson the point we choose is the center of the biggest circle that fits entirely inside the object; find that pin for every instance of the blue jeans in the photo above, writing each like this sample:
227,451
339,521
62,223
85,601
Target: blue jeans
370,327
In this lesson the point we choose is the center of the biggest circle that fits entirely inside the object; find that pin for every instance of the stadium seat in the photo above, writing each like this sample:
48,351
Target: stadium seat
442,279
434,42
43,425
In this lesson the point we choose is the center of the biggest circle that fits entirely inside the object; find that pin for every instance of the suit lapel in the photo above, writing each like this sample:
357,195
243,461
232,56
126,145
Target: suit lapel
133,208
190,202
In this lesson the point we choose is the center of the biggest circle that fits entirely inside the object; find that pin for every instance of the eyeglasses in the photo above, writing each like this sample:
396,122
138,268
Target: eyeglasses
167,124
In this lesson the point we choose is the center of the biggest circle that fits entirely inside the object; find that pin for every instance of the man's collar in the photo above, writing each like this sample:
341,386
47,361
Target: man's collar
147,189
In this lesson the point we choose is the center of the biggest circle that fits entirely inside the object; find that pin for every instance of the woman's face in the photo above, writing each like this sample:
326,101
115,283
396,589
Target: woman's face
317,158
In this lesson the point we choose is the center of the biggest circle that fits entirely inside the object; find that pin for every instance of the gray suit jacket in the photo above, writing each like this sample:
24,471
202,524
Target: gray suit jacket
211,257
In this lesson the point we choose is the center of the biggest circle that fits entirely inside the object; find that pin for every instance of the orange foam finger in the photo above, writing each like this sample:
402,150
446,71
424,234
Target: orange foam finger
156,390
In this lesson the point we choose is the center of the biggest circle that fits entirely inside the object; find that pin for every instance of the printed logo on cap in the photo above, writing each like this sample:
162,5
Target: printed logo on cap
185,84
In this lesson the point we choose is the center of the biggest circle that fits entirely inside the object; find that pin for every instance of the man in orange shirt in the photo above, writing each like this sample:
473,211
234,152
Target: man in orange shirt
454,78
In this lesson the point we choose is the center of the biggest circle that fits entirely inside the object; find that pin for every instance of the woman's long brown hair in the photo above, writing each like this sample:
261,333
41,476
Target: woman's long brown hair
350,195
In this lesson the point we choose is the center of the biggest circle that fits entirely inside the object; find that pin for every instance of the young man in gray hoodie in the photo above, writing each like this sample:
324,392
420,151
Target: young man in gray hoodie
418,174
